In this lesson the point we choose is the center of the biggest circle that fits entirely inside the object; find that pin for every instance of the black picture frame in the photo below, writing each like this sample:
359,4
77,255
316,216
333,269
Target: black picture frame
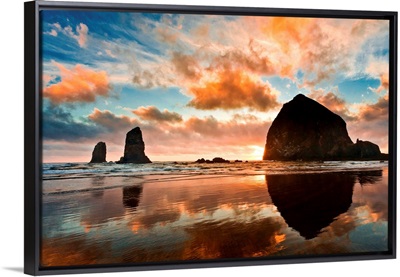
33,133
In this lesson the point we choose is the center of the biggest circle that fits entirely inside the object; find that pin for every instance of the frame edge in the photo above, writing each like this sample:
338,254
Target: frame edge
393,72
221,10
30,139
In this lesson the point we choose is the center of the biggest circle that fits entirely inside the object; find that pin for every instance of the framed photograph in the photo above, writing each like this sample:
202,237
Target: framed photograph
166,136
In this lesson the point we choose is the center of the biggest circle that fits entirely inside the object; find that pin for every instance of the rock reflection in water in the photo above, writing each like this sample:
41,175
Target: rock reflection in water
310,202
98,182
369,177
131,196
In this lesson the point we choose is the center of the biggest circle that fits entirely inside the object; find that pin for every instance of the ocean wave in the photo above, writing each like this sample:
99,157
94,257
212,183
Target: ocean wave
82,170
62,179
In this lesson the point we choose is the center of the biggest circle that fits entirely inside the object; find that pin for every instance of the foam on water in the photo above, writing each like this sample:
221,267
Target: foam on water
76,170
79,177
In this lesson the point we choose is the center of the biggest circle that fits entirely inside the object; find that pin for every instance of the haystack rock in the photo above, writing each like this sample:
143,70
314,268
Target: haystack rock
306,130
99,153
134,148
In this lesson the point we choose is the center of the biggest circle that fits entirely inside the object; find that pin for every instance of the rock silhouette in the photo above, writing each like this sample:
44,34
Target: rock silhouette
134,148
99,153
306,130
366,149
215,160
219,160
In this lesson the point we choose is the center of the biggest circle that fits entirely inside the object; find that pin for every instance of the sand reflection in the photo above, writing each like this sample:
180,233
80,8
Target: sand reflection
311,202
205,217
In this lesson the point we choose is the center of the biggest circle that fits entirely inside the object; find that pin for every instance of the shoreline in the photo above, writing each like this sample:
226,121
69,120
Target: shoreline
385,157
78,184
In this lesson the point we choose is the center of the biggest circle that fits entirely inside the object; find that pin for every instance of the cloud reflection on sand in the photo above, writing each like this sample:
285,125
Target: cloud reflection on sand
224,217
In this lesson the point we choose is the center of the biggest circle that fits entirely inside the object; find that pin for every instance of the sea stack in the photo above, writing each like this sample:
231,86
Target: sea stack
99,153
134,148
306,130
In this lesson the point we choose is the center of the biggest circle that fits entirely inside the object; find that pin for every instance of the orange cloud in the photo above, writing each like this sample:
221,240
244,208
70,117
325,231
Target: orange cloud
46,79
156,76
384,83
290,41
151,113
186,65
333,102
78,84
209,132
322,49
112,122
233,89
188,139
379,69
379,110
372,123
292,28
252,57
202,31
206,127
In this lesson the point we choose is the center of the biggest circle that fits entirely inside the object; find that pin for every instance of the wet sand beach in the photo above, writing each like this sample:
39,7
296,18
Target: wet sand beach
182,216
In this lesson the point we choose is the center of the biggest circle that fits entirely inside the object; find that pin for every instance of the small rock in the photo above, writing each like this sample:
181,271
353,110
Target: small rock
134,148
220,160
99,153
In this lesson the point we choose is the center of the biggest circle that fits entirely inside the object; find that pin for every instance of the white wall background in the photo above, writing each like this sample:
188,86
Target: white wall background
12,136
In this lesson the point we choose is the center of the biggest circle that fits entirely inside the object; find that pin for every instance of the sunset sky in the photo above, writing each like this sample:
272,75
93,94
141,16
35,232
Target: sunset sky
201,86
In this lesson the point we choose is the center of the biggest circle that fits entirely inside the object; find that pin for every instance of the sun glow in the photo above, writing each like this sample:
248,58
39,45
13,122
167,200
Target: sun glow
257,152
